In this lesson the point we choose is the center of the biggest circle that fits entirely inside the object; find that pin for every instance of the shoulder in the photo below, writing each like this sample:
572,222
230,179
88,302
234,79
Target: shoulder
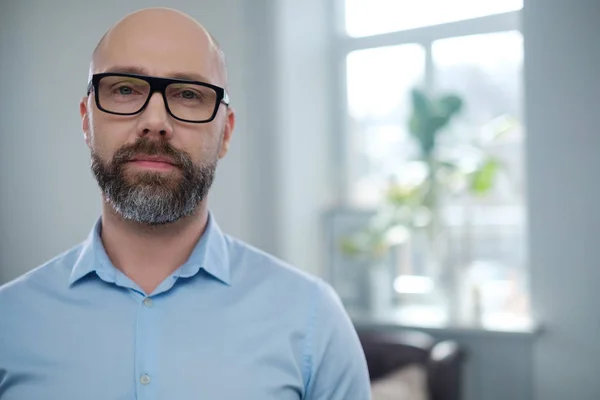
300,291
332,362
249,262
51,276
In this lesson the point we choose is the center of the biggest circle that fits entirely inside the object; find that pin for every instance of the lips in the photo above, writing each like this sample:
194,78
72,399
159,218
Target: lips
153,163
155,159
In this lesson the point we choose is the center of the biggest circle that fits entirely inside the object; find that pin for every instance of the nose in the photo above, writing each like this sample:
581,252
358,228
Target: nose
155,120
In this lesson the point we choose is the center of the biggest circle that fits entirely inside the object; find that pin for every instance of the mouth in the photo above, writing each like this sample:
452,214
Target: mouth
153,162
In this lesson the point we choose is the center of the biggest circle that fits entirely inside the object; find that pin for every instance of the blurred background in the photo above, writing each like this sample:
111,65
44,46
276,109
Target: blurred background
435,161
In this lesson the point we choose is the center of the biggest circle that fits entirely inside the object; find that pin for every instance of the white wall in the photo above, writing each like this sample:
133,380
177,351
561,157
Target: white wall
48,198
562,58
304,122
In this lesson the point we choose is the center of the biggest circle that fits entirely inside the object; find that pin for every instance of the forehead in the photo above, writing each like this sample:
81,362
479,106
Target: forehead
176,50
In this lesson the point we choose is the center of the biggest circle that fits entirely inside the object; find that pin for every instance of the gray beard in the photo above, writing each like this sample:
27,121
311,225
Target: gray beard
153,198
152,205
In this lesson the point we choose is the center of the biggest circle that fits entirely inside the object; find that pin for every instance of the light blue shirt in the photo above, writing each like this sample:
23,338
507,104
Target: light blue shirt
232,323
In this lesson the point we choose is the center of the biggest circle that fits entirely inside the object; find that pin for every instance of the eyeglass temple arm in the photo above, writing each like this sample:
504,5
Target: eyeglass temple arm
225,99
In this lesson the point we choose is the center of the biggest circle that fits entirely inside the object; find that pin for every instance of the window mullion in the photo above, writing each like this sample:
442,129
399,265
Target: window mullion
429,67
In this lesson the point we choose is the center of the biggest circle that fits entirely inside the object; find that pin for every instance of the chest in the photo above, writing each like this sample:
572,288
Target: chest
148,350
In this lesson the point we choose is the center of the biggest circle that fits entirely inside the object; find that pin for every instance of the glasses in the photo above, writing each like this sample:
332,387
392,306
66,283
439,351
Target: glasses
129,94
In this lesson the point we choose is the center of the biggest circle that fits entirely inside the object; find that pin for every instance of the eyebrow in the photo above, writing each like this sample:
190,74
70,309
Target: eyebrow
188,76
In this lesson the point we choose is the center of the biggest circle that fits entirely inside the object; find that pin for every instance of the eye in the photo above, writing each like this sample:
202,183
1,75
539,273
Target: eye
189,94
124,90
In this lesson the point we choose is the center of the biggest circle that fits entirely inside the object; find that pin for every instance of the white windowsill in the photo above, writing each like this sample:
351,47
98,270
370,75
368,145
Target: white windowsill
407,319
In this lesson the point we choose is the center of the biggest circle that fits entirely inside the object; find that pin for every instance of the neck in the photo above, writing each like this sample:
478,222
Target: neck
149,254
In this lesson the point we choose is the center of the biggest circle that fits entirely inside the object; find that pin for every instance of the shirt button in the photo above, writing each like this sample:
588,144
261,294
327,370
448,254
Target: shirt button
148,302
144,379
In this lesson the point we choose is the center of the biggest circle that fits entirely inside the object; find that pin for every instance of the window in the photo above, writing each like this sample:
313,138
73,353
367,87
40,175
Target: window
377,114
366,18
471,48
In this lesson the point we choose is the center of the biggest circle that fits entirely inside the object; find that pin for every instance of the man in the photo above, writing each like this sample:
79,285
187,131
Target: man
158,303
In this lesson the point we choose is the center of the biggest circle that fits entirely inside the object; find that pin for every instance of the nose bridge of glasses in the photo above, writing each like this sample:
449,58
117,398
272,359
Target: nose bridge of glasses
154,114
156,98
157,87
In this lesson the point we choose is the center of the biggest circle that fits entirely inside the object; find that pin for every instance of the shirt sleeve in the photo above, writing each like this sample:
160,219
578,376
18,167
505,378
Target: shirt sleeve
336,361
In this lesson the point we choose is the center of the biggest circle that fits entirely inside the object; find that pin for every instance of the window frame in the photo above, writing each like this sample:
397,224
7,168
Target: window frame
343,44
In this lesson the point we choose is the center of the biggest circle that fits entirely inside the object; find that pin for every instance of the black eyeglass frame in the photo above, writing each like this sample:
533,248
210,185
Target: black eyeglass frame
158,84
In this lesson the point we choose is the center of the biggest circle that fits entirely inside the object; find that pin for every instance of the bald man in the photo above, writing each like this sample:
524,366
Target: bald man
159,303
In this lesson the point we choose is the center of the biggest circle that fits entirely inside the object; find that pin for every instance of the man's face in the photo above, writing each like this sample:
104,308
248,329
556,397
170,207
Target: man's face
151,167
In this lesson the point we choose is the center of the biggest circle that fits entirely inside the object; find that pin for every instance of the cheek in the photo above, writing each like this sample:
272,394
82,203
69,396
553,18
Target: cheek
107,136
202,145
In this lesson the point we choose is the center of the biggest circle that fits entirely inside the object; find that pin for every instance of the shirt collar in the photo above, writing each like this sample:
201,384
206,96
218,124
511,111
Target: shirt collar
210,254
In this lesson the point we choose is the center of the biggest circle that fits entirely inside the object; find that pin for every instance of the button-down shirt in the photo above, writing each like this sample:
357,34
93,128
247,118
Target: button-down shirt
231,323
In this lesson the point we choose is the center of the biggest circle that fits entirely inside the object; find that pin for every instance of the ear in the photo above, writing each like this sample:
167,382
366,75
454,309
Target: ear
85,121
229,125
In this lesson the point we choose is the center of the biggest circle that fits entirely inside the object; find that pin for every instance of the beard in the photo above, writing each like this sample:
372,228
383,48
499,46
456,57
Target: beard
151,197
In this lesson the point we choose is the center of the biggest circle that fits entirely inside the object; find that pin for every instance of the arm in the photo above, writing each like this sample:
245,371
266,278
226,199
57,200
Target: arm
337,369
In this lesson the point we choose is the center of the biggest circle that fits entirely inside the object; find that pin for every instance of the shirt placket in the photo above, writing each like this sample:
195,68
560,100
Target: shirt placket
146,348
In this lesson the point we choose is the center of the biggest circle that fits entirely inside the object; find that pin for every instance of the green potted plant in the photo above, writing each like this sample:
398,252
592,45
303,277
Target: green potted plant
415,207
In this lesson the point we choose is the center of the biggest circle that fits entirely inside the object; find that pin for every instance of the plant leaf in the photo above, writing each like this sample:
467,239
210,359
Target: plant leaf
483,178
451,105
421,104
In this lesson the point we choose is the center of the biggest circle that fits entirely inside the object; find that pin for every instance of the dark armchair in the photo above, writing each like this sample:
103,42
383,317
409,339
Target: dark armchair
443,361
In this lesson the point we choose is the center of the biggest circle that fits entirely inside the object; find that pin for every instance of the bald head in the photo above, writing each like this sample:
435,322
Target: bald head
160,39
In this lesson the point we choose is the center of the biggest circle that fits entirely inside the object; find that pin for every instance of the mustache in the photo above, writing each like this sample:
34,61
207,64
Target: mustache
145,147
